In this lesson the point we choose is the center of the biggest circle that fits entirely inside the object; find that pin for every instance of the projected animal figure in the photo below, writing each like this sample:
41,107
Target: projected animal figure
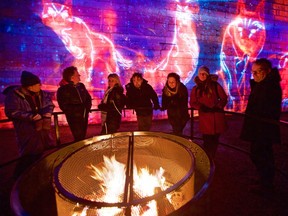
243,40
182,57
95,53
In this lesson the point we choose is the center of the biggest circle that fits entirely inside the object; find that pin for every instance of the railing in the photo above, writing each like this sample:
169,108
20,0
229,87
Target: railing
192,118
56,122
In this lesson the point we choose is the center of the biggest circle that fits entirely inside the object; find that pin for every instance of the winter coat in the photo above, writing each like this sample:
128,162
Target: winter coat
175,101
74,100
209,98
263,109
140,99
33,136
113,106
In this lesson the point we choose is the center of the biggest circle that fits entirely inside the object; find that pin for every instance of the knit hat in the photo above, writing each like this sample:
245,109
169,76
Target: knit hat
29,79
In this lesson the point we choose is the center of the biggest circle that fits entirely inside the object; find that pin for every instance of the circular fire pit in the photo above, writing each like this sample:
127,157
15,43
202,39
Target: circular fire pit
128,173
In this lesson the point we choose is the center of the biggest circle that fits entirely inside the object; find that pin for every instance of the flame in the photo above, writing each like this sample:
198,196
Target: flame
111,177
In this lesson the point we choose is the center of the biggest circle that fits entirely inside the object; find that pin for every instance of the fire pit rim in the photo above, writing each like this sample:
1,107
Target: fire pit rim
95,204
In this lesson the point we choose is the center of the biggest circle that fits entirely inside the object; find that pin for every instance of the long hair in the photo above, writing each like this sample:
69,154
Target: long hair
116,77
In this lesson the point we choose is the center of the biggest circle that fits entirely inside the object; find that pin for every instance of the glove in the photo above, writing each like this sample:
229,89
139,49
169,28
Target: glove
204,108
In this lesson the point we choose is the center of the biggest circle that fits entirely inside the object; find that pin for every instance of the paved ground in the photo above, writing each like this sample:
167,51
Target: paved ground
228,193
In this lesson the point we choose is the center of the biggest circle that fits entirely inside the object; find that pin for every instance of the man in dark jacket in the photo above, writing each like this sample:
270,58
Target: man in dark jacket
139,95
262,115
75,101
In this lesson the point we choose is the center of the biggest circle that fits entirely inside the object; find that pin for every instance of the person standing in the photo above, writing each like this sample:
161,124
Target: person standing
75,101
139,96
112,105
175,101
30,110
260,126
209,98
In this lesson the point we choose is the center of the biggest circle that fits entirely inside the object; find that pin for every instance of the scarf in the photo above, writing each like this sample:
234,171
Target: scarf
169,91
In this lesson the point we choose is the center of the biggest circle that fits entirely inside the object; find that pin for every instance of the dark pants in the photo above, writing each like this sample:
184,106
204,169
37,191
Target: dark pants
144,122
210,143
263,159
78,126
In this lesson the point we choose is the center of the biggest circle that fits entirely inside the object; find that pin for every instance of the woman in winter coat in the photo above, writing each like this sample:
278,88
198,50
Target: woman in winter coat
75,101
209,98
30,109
175,101
112,105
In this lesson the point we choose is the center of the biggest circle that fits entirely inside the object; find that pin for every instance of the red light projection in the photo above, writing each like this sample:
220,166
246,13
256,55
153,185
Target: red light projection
243,40
88,48
283,68
96,56
182,57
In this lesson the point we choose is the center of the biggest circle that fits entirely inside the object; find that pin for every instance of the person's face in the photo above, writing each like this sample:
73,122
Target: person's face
111,82
258,72
76,77
202,74
34,88
137,82
172,83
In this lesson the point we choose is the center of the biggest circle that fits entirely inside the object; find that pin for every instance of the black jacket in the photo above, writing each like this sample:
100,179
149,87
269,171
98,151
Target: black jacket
140,99
263,109
74,100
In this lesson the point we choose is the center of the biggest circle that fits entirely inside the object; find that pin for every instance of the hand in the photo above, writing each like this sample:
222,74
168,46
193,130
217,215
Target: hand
36,117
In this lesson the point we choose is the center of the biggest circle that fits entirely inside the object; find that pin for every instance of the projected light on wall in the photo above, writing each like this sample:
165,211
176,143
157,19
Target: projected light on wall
153,37
96,56
243,40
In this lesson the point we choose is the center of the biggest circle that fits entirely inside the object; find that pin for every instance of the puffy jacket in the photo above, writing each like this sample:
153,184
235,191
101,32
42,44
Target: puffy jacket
31,139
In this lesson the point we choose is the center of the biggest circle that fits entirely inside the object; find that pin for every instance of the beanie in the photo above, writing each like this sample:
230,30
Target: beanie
29,79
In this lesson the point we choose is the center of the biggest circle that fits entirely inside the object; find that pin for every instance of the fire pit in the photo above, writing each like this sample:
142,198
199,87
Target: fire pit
128,173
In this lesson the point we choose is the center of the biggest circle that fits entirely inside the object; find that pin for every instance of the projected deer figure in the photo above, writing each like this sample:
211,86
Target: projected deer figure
243,40
91,50
182,57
